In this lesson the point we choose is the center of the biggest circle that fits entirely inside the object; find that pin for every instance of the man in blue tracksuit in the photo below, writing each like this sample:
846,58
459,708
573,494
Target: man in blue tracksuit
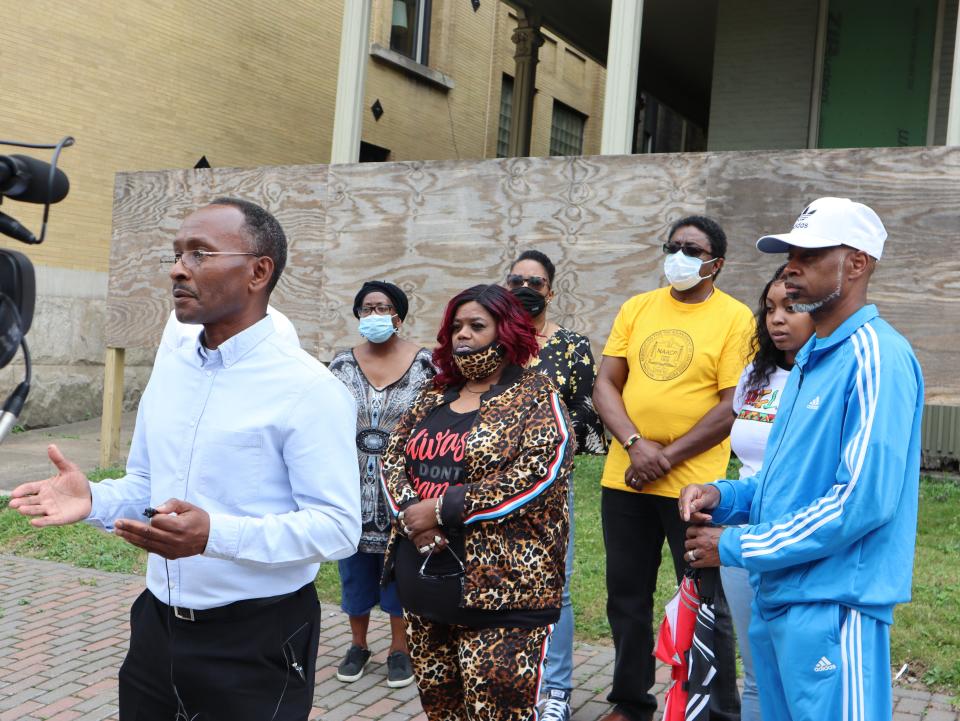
832,514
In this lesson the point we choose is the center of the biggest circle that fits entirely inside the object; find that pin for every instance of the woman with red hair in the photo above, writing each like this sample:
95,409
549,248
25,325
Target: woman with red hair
477,473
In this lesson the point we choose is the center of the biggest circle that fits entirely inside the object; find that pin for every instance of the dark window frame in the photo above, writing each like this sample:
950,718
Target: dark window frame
421,41
583,117
505,83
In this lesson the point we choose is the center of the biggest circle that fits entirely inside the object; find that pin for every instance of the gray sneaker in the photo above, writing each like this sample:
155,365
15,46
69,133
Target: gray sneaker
555,706
353,664
399,670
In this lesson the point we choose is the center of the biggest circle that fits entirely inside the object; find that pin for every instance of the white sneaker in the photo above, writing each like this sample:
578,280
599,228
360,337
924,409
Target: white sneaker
555,706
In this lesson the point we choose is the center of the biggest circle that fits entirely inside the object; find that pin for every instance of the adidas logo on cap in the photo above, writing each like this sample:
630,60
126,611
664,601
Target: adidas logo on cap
803,217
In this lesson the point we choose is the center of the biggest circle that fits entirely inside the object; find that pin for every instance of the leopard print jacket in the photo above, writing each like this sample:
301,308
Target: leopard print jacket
513,504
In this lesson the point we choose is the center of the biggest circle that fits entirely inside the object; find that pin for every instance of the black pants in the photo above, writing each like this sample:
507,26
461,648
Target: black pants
634,527
236,669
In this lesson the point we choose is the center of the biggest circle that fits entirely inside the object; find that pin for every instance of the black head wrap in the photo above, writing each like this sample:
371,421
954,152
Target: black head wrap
398,299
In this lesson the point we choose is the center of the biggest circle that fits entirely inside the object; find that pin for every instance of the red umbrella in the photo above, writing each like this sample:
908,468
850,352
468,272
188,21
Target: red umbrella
674,642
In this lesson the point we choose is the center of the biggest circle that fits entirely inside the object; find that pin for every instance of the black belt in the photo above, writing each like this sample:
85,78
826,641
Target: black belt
232,611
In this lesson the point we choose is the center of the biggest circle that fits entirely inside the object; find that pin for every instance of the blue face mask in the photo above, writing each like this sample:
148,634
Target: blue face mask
377,328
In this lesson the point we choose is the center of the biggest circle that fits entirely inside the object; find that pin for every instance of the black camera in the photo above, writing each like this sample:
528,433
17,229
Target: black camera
28,180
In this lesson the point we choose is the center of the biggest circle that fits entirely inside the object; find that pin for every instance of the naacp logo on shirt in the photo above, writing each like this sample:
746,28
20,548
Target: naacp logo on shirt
666,354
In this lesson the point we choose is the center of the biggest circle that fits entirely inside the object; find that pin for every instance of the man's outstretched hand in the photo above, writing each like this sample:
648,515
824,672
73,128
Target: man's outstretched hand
178,530
58,500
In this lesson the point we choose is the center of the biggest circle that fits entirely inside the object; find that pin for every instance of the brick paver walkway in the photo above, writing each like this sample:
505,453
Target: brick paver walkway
63,634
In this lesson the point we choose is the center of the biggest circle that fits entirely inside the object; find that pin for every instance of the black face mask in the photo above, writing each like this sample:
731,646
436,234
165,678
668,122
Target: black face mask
531,300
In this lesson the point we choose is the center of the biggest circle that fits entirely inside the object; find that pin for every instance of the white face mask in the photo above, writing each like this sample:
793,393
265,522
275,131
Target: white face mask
682,271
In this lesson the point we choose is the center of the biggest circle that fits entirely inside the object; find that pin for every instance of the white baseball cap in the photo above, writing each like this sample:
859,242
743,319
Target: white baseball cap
828,222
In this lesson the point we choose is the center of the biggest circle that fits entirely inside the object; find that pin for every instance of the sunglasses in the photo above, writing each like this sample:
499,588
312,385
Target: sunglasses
437,576
515,281
691,251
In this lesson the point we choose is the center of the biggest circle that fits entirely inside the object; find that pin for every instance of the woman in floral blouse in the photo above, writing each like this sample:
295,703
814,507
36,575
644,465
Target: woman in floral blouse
565,357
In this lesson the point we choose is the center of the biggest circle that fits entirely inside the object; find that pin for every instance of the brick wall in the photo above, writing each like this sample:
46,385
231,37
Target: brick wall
156,85
762,74
146,85
563,73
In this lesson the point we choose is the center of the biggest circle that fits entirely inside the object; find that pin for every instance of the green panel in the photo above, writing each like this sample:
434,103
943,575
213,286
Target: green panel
876,75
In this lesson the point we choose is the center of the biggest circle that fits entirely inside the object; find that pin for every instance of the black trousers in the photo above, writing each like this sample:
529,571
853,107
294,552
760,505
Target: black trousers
243,668
634,528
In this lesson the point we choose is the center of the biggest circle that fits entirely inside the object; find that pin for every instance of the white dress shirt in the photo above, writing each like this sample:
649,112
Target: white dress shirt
261,436
177,334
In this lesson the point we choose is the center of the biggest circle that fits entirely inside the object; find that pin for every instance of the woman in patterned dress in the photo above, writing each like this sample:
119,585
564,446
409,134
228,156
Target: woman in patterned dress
384,374
477,473
564,356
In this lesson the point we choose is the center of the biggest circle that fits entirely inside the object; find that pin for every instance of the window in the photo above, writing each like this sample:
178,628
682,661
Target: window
566,130
506,112
410,29
370,153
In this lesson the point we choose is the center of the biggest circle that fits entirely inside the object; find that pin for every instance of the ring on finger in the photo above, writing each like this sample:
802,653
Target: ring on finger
437,539
424,549
407,530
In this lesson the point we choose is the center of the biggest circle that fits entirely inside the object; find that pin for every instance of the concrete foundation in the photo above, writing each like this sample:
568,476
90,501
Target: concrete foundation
66,343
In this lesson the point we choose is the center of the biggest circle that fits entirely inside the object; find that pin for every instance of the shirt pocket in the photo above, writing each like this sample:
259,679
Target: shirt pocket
231,466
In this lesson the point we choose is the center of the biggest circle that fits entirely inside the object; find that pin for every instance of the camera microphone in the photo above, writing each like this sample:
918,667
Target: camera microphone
16,230
28,180
12,408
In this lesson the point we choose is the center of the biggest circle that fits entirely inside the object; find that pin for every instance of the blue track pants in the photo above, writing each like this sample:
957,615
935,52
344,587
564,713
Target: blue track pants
821,662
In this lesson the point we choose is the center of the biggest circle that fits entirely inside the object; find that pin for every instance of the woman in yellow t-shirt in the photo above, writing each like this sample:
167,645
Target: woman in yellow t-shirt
664,390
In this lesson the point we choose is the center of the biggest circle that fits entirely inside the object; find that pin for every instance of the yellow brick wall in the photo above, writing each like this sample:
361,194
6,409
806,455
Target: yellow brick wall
153,85
563,73
421,120
148,85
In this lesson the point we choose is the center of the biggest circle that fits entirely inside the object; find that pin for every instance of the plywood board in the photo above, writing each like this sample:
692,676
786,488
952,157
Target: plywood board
149,207
916,193
435,228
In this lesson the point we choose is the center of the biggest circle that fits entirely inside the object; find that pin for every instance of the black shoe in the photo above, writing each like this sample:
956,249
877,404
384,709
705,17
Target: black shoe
399,670
356,660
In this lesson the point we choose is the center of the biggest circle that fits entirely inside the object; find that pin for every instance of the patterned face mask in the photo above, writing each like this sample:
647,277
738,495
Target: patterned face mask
476,364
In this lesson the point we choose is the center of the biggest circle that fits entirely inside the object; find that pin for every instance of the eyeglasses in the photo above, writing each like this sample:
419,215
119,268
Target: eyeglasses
454,574
193,258
691,251
515,281
379,309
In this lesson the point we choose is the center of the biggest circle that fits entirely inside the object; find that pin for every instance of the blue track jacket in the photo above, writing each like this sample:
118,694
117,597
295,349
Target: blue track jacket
833,510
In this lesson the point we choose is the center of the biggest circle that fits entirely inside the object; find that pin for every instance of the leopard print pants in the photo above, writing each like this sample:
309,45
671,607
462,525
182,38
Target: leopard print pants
484,674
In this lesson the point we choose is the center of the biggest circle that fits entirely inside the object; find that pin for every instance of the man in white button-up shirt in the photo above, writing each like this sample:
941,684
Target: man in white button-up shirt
245,446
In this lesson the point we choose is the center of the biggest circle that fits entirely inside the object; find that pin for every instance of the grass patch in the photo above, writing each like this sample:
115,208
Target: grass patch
78,544
588,588
925,635
926,632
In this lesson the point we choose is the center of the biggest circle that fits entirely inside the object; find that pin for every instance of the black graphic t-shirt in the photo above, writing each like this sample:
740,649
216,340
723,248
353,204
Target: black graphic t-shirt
435,451
435,460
